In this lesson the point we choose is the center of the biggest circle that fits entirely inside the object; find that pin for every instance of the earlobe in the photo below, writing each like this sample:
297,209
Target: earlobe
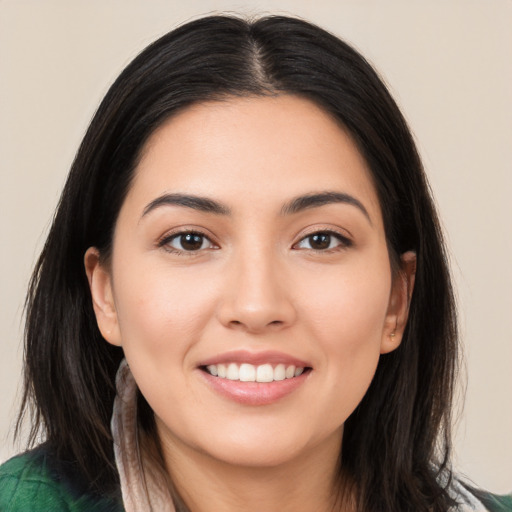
399,301
100,284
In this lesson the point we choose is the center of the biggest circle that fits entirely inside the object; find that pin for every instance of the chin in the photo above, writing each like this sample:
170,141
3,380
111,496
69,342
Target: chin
257,456
266,448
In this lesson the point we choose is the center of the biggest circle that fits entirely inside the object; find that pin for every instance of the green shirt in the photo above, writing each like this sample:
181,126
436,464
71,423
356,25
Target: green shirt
34,482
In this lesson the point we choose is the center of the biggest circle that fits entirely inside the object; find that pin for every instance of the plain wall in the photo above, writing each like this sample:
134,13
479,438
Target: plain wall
449,66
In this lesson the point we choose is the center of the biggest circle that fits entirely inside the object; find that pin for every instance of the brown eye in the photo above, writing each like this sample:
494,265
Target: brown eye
188,242
323,240
320,241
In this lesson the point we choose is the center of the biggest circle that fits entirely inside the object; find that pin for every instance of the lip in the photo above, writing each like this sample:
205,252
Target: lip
254,393
255,358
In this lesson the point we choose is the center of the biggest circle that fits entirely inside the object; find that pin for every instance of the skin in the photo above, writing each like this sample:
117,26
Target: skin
257,283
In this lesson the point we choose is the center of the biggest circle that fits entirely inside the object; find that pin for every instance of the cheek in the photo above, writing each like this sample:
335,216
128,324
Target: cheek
347,317
157,305
349,307
161,317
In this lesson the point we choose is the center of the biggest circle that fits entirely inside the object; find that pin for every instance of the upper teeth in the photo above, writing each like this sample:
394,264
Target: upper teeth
249,373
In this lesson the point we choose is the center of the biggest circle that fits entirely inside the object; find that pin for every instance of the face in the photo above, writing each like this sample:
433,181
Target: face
250,284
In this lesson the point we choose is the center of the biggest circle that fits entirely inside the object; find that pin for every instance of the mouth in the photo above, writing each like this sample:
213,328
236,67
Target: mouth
262,373
255,379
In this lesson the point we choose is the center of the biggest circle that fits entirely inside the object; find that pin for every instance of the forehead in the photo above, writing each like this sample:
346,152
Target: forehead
270,148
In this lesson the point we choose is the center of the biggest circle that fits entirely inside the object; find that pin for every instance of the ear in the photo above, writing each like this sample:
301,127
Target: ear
399,301
100,284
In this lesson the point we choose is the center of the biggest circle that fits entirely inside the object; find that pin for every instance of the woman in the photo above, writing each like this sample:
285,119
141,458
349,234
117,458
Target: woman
246,239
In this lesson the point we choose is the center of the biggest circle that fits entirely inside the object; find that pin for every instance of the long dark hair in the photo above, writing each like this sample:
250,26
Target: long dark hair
396,444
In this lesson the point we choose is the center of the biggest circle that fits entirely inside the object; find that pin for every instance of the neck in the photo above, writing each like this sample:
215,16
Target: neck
309,482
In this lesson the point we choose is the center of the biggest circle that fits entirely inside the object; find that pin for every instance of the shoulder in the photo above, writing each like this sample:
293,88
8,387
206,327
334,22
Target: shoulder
494,502
31,482
473,499
25,484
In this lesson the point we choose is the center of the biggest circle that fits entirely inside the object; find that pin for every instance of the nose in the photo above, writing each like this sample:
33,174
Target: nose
257,297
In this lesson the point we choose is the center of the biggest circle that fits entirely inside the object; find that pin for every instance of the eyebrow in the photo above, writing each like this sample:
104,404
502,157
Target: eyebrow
316,200
296,205
202,204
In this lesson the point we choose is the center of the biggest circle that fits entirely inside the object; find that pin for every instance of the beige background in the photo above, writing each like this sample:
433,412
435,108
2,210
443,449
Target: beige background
449,65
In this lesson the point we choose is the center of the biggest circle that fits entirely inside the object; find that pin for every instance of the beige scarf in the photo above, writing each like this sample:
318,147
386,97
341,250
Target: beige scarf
144,486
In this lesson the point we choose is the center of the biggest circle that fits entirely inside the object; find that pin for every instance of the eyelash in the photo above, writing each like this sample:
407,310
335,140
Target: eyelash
165,242
344,242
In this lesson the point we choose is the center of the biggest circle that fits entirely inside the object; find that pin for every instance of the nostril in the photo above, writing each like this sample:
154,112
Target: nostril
273,323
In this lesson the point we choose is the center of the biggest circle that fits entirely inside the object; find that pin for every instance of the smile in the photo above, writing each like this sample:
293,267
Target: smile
255,378
246,372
